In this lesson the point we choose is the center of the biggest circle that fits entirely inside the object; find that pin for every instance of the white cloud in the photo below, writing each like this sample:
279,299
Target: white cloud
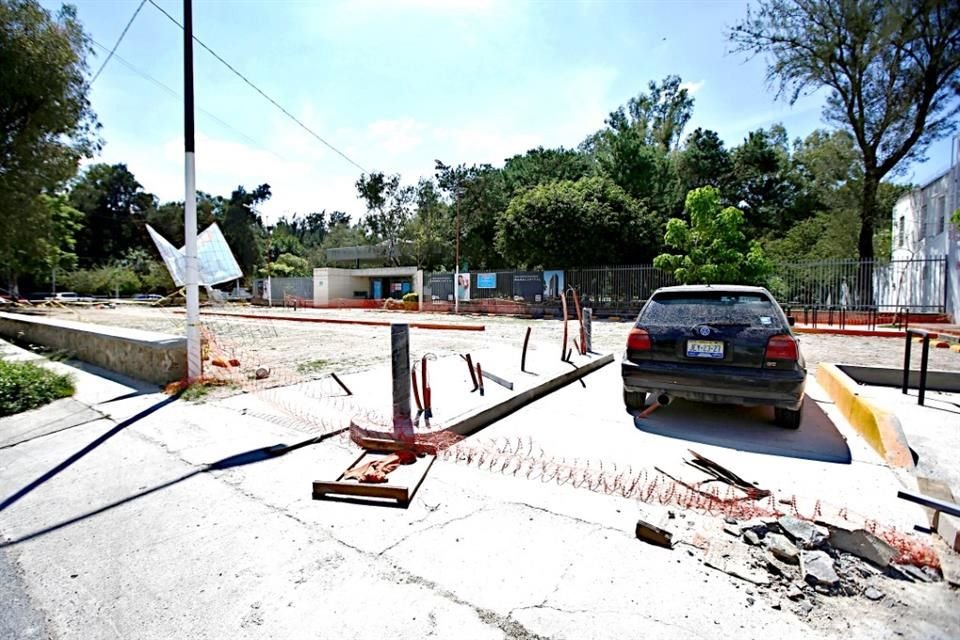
397,136
693,88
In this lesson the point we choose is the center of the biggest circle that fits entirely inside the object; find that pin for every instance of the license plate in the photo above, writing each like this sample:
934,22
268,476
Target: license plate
712,349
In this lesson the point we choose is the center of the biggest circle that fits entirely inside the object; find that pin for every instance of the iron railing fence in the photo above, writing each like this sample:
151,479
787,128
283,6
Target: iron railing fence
825,291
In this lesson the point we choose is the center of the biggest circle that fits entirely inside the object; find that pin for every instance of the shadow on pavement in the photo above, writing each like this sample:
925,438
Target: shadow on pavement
237,460
750,429
10,501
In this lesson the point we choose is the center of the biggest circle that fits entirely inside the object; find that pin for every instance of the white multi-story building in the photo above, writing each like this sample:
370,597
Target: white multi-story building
922,232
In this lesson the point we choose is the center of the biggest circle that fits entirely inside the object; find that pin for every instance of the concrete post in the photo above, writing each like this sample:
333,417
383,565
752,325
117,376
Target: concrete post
400,360
588,328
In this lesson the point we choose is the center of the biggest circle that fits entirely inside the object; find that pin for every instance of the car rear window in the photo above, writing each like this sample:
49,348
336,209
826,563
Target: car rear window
712,307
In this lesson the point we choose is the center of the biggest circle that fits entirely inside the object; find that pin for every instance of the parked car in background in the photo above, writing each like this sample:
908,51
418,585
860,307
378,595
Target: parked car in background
715,343
148,297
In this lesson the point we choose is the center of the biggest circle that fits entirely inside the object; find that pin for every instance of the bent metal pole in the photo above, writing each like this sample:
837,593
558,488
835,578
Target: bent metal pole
190,202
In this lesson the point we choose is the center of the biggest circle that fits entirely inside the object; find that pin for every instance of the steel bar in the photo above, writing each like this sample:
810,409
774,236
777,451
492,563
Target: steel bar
523,357
337,379
500,381
942,506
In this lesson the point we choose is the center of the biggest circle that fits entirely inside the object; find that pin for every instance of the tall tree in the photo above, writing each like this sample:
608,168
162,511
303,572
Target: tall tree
704,161
388,209
477,194
564,224
116,210
540,165
243,228
892,69
46,124
635,147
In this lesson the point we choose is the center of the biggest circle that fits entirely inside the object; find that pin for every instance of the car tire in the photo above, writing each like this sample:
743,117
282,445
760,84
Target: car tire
787,418
634,399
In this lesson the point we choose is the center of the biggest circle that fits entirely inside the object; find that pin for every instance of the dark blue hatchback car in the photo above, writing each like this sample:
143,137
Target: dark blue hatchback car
726,344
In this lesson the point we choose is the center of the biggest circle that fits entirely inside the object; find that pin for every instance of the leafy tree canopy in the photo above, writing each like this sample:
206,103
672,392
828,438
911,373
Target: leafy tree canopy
712,247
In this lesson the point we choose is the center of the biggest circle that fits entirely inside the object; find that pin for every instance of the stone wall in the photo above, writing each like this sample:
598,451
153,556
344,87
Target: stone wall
154,357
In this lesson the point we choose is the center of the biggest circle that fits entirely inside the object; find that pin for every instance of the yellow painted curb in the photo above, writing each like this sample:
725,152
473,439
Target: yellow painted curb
955,348
878,427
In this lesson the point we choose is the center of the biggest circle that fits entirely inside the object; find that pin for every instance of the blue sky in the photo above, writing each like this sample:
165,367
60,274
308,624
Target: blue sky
397,84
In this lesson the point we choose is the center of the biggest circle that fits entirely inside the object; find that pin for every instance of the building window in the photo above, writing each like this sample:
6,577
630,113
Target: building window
900,231
939,210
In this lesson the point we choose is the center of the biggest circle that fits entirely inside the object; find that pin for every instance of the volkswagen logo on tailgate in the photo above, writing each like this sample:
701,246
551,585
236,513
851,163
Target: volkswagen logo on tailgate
703,330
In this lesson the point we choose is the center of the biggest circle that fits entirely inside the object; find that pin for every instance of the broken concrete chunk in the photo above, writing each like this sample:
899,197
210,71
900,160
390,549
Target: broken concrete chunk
805,534
917,573
750,537
757,525
862,544
817,569
776,567
873,594
782,548
794,593
654,535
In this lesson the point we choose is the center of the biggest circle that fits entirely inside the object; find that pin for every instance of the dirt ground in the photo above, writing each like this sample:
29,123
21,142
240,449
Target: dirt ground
306,348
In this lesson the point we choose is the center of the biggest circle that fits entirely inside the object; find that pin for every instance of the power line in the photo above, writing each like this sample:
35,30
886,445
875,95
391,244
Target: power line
119,40
177,95
260,91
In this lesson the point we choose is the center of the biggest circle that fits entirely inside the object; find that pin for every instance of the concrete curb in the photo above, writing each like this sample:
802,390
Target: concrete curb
878,427
473,423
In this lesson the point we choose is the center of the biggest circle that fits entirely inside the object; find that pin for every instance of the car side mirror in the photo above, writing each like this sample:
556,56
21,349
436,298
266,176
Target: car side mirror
791,320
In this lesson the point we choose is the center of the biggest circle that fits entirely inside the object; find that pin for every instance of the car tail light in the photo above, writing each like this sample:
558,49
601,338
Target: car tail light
638,340
782,347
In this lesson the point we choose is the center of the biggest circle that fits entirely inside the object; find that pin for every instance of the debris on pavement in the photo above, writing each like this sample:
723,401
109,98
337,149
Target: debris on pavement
817,569
652,534
803,533
782,548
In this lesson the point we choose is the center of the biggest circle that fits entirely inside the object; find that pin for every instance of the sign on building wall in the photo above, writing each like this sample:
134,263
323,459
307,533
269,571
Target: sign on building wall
486,281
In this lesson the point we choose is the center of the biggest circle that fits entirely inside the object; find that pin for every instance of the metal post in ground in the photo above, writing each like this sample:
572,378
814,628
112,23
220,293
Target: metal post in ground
400,362
588,328
906,365
192,274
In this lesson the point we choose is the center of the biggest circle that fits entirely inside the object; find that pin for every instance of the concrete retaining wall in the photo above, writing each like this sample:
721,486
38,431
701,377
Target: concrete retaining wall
154,357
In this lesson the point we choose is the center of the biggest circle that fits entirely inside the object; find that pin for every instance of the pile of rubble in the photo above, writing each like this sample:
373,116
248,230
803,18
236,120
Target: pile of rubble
796,558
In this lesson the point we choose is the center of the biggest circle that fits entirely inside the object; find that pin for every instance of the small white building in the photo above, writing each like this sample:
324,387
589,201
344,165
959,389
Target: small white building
922,231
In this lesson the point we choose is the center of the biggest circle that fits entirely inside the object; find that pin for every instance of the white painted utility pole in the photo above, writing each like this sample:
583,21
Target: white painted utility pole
456,269
190,204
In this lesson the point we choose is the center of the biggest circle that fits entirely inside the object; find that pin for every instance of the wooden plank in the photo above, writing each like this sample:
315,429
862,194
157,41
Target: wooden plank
385,491
401,485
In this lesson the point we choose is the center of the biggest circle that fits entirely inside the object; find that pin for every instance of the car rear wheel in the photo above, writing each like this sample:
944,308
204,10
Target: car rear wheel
787,418
634,399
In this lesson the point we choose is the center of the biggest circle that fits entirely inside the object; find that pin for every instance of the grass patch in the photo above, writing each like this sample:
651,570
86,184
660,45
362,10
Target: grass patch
25,385
313,366
196,391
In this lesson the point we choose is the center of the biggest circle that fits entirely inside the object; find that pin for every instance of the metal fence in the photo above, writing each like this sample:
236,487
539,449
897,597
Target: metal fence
914,286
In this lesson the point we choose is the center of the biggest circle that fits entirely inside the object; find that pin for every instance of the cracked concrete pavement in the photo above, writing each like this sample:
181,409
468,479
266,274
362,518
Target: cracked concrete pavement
138,538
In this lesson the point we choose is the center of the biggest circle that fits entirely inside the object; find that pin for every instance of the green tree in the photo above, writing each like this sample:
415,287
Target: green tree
540,165
388,209
477,194
704,161
46,124
565,224
891,68
287,266
430,229
242,227
115,209
635,147
713,247
59,237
